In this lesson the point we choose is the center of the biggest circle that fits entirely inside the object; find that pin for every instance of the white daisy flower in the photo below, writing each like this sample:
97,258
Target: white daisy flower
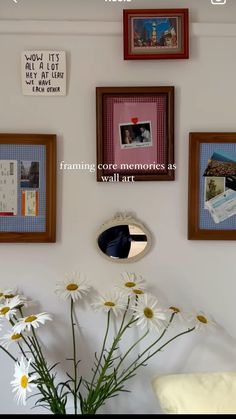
179,313
8,308
203,321
9,338
9,293
23,381
148,314
131,283
136,292
174,309
32,321
112,301
74,287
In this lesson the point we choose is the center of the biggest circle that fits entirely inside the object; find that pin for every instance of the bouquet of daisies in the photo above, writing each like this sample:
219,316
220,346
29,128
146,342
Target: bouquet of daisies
129,306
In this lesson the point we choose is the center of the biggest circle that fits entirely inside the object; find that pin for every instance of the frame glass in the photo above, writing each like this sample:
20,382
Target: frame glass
135,134
212,186
154,34
27,188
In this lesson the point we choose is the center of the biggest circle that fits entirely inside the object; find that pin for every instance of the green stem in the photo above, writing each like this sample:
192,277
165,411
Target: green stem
130,372
103,348
41,368
169,341
130,349
154,343
74,356
124,316
94,394
8,353
23,352
114,345
56,403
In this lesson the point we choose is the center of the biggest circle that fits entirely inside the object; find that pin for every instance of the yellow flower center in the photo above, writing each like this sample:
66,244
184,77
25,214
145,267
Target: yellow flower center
24,381
1,294
148,313
109,304
17,336
72,287
30,319
9,296
175,309
4,310
202,319
137,291
130,284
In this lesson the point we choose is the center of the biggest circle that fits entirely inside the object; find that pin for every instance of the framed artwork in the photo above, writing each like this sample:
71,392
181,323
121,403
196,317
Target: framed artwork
156,34
135,134
27,188
212,186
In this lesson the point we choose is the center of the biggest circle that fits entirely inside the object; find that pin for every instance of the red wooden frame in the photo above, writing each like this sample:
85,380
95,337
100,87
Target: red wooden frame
183,13
102,93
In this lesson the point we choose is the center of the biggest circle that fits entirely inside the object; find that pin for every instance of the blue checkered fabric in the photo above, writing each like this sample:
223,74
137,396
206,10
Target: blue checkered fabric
206,221
20,153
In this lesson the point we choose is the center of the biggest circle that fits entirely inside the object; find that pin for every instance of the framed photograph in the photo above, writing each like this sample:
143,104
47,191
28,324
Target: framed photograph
212,186
156,34
135,134
27,188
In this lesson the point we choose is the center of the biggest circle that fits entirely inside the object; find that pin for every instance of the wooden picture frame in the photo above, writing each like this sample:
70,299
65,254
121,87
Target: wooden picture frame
28,202
135,134
212,186
144,40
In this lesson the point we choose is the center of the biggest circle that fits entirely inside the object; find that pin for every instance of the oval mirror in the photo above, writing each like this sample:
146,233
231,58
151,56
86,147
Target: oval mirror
123,239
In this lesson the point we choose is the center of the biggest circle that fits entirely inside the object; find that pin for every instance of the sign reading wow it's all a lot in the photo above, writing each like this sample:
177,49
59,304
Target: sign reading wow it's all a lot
44,73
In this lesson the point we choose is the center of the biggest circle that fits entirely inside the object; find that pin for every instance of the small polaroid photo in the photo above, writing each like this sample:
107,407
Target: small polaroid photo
214,186
136,135
29,174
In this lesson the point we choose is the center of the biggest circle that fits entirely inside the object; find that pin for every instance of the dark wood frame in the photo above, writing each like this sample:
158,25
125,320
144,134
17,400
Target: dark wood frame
127,14
102,93
195,140
50,143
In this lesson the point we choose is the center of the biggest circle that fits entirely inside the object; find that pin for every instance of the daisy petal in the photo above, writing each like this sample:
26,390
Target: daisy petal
33,321
112,301
149,315
74,286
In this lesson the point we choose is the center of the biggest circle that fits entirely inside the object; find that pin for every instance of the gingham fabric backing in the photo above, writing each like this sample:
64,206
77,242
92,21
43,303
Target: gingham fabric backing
206,221
20,153
161,105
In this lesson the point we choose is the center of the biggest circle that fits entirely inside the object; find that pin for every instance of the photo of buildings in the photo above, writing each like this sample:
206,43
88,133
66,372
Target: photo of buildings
155,32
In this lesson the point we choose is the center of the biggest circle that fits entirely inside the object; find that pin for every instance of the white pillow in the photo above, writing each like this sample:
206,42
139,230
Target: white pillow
197,393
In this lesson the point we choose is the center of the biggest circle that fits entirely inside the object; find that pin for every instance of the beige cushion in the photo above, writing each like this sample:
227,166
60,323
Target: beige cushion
197,393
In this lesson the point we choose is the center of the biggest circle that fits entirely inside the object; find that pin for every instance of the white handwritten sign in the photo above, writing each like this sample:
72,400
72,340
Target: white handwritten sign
44,73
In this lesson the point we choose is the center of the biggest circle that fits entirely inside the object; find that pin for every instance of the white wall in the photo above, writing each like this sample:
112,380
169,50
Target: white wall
190,274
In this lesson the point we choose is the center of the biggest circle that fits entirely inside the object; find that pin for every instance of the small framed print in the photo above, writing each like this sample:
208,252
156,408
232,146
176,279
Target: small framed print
155,34
212,186
27,188
135,134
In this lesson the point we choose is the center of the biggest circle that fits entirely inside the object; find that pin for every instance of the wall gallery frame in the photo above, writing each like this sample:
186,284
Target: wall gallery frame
135,134
27,188
212,186
155,34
